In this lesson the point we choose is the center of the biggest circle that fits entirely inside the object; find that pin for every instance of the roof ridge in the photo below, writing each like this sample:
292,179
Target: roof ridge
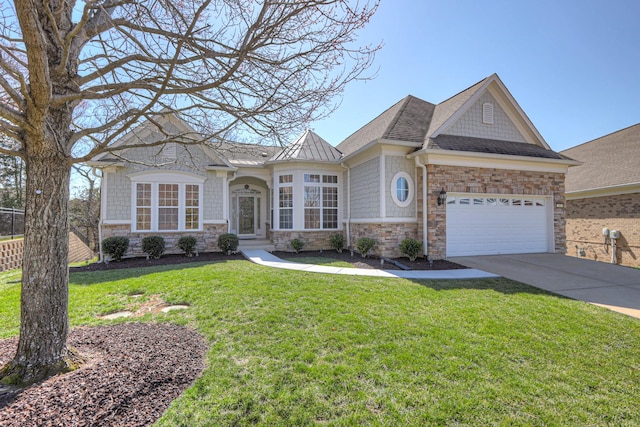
601,137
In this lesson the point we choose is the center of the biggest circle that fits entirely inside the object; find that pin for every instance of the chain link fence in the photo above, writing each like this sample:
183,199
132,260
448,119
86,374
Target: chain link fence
11,223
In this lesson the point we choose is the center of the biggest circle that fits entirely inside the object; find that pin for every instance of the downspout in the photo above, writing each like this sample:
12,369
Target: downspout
424,205
348,204
103,198
226,198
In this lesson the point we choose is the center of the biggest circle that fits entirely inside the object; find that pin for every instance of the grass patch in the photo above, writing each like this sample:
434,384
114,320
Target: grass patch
298,348
319,260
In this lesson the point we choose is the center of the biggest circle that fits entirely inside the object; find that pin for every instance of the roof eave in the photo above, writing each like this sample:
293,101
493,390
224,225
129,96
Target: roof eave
428,151
610,190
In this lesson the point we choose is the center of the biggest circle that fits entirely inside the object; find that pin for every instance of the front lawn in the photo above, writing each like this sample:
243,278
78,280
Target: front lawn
298,348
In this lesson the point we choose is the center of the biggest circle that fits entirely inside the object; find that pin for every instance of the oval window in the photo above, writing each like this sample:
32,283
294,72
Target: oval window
402,189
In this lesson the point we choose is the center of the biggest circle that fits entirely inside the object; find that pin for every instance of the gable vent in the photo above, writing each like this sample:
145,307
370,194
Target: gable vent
487,113
169,152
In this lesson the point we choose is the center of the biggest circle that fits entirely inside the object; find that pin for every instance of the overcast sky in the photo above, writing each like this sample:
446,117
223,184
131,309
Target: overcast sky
573,66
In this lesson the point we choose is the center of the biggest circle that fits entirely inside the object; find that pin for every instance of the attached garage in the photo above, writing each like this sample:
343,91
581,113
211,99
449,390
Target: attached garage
484,224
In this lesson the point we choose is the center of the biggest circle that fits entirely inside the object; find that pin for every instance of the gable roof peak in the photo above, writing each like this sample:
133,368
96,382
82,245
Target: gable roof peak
308,147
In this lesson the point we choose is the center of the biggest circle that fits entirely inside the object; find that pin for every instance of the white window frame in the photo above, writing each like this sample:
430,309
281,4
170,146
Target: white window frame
182,179
394,190
297,187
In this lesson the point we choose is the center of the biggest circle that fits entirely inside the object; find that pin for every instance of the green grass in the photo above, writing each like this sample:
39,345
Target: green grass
297,348
319,260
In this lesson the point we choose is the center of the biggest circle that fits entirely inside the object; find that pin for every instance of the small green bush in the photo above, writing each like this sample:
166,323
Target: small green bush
115,247
337,242
297,245
228,242
187,244
411,248
364,245
153,246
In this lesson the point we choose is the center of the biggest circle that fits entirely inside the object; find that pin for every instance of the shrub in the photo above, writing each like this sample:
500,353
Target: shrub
411,248
364,245
228,242
337,242
187,244
153,246
297,245
115,247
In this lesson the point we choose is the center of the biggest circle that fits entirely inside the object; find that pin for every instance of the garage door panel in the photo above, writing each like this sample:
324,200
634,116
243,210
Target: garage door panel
475,229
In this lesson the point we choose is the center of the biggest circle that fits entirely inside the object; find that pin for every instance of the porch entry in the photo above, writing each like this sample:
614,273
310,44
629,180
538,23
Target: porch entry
246,213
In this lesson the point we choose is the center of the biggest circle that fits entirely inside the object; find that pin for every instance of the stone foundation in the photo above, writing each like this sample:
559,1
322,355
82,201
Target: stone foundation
388,236
587,217
206,240
313,240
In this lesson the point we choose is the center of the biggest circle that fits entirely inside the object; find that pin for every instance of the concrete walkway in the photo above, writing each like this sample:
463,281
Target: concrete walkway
263,257
607,285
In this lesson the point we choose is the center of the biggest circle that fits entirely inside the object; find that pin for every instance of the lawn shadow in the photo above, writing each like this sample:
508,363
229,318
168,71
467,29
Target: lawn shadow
496,284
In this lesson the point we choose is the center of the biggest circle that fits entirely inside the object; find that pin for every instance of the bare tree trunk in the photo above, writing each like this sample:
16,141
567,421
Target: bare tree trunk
42,350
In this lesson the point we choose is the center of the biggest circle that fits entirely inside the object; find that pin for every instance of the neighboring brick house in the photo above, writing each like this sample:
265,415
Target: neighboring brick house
604,192
468,176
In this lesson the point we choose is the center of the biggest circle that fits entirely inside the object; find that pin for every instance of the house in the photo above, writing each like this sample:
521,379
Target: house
604,192
470,175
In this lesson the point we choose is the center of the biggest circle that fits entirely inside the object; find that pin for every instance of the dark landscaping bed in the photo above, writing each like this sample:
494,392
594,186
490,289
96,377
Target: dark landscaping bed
373,261
356,260
134,372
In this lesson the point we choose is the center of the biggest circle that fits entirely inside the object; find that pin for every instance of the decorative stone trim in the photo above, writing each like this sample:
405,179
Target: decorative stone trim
313,240
207,240
11,254
462,179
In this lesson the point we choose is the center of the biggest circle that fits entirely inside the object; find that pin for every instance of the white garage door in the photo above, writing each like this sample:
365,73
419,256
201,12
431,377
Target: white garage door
479,224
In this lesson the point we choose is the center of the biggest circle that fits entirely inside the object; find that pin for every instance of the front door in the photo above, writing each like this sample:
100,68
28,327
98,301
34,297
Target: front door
247,216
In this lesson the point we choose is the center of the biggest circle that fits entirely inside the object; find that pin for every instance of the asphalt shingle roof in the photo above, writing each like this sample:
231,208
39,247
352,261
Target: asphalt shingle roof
245,154
407,120
493,146
608,161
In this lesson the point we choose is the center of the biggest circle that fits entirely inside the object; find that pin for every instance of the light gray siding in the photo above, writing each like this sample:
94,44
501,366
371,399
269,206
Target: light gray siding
213,196
365,190
470,124
393,165
118,196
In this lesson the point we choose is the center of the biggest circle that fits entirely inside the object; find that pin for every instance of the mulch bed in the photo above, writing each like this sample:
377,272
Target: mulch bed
373,261
356,260
134,372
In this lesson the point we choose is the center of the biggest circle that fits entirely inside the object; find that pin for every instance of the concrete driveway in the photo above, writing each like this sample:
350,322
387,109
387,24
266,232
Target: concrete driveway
607,285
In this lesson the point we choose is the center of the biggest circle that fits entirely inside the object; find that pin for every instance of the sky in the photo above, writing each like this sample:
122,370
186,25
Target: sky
572,66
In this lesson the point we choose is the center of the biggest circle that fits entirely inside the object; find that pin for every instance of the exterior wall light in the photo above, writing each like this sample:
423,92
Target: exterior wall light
442,197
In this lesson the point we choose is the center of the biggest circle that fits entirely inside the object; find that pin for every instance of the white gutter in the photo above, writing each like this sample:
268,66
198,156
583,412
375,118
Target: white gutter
348,204
424,205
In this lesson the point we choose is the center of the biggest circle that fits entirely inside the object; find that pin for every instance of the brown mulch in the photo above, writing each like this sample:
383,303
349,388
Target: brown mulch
373,261
356,260
134,371
163,260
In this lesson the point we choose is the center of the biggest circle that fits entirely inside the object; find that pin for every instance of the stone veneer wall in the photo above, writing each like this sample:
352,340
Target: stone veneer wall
313,240
494,181
207,240
587,217
388,236
11,254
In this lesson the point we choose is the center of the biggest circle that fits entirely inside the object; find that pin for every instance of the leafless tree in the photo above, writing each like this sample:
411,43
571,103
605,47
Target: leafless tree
78,76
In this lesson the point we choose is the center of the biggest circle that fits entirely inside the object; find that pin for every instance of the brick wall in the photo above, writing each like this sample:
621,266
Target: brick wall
206,241
587,217
11,254
78,251
494,181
